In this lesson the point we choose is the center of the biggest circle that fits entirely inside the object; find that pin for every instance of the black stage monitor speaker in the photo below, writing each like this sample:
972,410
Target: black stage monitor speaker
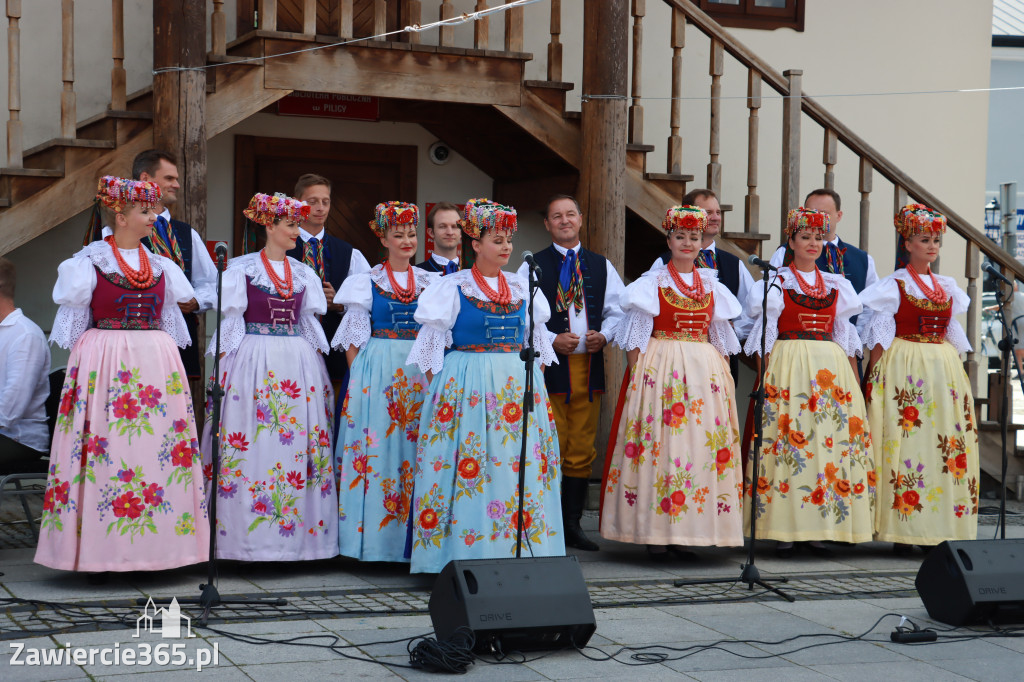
514,604
963,582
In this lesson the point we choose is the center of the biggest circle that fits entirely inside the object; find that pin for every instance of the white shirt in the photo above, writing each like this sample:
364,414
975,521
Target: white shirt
611,312
204,272
24,382
746,279
869,278
356,265
442,261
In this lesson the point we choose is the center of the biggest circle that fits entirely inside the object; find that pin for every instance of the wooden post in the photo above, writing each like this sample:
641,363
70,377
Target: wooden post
14,133
268,15
602,189
555,45
218,29
829,155
447,37
791,144
481,28
309,17
513,29
68,115
715,69
899,198
636,110
864,187
345,19
972,270
752,202
675,141
413,17
118,77
380,17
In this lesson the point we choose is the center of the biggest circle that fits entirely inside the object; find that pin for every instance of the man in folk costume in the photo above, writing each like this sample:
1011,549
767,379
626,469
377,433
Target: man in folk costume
177,240
583,290
332,259
443,228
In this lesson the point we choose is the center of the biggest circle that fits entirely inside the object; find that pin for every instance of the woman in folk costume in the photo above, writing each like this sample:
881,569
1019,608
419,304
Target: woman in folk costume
672,475
467,461
276,492
816,480
919,398
124,491
380,413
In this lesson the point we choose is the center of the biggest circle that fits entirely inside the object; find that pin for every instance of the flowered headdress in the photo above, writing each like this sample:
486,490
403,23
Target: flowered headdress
265,209
117,193
393,214
806,219
685,218
481,215
912,220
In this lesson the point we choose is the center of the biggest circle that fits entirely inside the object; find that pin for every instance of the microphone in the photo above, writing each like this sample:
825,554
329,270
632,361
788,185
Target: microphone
763,264
531,261
221,249
991,269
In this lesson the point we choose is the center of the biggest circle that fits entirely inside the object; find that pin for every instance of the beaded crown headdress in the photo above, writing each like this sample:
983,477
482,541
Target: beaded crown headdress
117,193
806,219
265,209
481,215
393,214
915,219
685,218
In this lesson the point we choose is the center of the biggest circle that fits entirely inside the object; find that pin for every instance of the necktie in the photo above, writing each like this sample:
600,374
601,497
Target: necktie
834,258
570,284
165,243
706,259
451,267
313,256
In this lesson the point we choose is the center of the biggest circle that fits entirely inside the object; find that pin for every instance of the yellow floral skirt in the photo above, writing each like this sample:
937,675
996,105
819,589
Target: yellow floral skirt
926,445
816,479
673,472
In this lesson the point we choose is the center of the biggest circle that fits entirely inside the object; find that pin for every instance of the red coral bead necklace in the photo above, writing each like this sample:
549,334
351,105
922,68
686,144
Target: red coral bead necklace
696,291
138,279
406,294
285,286
935,294
503,296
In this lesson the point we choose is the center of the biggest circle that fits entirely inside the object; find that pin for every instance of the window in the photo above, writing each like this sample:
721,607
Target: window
763,14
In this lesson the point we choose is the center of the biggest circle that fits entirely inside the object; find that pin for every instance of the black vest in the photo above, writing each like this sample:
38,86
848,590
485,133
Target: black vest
337,259
728,269
189,355
595,281
430,265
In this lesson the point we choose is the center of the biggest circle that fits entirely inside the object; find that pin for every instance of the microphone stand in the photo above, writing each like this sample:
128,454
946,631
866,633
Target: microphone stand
209,597
1006,345
528,355
749,573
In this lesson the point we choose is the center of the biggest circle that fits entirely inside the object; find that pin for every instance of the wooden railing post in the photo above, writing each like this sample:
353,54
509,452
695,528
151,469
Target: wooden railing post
513,29
218,29
268,15
118,77
715,68
345,19
752,202
555,45
791,143
68,115
899,198
481,28
972,270
14,126
447,37
864,187
829,155
636,110
309,17
413,17
380,17
675,141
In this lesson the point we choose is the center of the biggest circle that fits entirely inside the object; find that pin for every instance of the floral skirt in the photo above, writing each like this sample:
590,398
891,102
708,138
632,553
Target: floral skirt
276,496
467,465
926,445
816,479
672,472
376,451
124,491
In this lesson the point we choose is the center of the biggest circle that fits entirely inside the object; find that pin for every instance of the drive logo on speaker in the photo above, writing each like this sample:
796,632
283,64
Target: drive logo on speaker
991,590
491,617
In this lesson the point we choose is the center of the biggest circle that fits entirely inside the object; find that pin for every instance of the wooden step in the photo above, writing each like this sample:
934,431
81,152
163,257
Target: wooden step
32,172
673,183
573,115
66,155
757,236
552,92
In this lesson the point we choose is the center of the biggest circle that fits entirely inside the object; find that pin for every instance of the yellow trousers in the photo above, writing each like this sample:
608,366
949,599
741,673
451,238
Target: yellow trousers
576,420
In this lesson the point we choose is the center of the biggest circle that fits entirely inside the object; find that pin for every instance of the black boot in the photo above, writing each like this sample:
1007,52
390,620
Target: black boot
574,497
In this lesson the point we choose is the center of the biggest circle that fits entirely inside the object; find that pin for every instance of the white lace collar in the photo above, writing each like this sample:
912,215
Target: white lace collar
252,265
904,274
102,256
707,275
464,280
379,277
788,277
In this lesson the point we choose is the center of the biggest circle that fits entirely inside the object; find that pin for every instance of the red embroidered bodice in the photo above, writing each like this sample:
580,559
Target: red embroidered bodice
920,320
681,317
115,305
805,317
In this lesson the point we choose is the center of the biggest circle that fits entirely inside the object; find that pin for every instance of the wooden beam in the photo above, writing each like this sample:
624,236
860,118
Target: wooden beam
15,142
791,146
546,125
383,73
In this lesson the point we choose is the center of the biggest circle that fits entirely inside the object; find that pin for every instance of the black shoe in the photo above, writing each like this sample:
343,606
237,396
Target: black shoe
785,552
574,496
680,553
575,537
902,549
819,550
659,557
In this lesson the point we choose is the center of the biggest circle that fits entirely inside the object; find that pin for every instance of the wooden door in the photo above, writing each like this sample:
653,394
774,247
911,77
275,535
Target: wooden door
361,175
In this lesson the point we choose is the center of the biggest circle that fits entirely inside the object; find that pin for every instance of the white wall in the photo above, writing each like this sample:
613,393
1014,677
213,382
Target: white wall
1005,131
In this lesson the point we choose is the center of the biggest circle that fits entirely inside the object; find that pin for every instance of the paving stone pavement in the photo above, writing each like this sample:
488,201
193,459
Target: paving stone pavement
346,620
